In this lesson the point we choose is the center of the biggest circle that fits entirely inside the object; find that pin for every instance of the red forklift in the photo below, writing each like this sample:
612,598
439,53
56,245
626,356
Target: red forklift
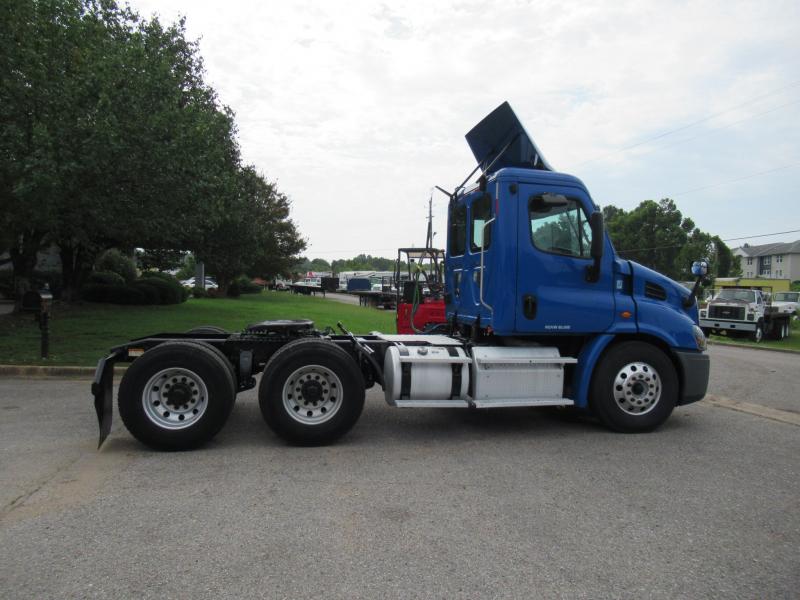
420,290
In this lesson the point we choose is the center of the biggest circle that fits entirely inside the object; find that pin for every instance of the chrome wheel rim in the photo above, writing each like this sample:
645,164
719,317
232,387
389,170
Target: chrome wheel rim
759,333
312,394
637,388
175,398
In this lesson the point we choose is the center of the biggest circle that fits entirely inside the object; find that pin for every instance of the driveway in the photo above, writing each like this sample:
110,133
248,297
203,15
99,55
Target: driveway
411,504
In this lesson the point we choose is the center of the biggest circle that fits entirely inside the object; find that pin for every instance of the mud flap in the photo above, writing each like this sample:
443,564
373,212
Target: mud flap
103,392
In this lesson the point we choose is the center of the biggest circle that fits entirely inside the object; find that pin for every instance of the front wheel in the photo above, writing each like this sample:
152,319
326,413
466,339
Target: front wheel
312,392
634,387
758,334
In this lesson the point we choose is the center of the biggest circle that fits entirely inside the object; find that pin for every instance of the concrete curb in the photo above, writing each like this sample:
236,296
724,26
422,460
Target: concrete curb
753,347
51,371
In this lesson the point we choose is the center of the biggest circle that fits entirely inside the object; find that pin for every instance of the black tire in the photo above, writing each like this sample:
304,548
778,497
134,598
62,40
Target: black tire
224,359
707,331
207,329
616,407
332,414
758,335
157,425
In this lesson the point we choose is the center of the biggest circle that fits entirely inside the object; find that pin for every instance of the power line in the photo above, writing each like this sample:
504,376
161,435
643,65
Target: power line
728,126
750,176
745,237
688,125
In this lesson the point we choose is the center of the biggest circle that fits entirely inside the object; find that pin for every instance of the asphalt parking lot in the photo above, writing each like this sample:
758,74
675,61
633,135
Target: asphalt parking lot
412,504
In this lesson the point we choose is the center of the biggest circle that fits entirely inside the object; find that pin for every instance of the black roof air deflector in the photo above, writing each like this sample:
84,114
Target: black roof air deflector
500,140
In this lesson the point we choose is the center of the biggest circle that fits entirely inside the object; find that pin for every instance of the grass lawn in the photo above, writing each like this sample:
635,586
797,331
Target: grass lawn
80,334
790,343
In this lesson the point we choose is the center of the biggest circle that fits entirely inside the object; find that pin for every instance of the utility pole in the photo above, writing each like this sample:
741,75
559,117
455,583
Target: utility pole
429,237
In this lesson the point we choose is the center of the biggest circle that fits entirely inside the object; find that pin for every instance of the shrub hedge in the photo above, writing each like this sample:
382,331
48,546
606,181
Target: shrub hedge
113,260
106,278
246,286
151,293
168,292
154,288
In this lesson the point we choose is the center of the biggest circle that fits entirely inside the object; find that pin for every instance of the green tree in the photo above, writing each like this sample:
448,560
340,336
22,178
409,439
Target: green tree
112,138
254,235
658,236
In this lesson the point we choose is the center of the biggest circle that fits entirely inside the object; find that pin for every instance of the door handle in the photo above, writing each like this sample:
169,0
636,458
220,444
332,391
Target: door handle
529,306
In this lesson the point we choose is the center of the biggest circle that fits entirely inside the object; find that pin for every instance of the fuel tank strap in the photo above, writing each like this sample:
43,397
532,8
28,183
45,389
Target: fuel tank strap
455,387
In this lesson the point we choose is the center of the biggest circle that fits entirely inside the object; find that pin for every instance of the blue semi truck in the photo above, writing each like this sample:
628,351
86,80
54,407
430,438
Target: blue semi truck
540,312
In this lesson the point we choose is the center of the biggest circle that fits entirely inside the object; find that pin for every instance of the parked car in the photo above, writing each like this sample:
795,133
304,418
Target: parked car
280,285
190,283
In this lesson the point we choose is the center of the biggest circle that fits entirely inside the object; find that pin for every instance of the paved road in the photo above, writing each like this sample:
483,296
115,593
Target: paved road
761,376
412,504
343,298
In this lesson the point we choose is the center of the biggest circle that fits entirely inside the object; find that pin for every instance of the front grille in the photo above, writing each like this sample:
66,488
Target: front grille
726,312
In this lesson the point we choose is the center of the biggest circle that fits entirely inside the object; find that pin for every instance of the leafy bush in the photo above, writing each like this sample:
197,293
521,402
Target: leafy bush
113,260
199,292
234,291
160,275
107,278
113,294
170,292
172,280
151,293
246,286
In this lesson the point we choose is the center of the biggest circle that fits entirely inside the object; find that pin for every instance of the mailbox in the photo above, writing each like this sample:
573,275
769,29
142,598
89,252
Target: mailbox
39,303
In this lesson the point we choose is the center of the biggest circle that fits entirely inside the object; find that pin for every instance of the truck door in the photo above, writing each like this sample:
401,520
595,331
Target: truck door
465,239
553,251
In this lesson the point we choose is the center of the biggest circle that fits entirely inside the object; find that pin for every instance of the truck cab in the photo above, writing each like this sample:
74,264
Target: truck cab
519,257
529,262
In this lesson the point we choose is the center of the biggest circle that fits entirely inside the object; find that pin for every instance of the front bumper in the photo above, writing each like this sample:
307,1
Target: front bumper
695,367
729,325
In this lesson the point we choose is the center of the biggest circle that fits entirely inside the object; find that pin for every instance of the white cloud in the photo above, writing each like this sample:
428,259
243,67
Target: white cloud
358,108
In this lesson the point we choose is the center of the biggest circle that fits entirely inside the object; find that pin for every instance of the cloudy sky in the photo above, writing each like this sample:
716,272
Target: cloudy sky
357,109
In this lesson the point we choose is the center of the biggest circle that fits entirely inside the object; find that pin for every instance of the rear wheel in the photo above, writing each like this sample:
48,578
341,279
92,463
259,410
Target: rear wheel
634,388
176,396
312,392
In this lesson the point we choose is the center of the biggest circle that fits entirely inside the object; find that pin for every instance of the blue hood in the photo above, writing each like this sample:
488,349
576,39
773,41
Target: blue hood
676,293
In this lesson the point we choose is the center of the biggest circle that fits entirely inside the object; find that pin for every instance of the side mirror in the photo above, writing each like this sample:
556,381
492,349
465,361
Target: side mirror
596,251
700,268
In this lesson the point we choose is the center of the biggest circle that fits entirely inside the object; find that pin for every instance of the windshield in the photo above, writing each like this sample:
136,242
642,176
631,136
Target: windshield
787,297
741,295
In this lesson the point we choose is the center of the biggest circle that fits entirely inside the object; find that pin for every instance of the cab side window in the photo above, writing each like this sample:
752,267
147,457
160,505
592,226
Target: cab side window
481,212
458,229
559,225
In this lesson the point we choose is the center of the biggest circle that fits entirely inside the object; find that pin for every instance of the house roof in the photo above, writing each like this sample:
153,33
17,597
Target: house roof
768,249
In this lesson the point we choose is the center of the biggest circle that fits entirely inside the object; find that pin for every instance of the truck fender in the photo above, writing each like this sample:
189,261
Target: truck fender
587,359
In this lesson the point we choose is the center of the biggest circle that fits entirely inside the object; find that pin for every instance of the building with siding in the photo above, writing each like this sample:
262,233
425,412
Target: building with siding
770,261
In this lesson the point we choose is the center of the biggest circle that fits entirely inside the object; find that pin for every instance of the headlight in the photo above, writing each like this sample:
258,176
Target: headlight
703,313
750,316
699,338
